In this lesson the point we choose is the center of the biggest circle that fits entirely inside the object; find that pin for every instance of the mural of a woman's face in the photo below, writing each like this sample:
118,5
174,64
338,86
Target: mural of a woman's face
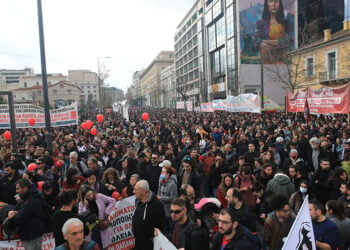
273,6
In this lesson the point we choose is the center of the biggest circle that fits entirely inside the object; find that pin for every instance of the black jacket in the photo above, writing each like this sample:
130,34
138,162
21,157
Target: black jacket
8,189
32,216
147,216
242,240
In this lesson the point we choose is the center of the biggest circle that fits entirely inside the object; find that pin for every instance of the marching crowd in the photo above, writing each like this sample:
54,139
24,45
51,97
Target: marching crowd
205,180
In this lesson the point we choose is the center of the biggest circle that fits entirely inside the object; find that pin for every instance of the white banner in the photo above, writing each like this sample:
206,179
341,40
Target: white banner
121,220
48,243
181,105
244,103
162,243
301,235
64,116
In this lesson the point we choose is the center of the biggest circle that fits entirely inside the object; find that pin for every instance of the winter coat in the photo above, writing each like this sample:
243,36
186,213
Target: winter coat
274,231
32,215
281,184
167,191
147,216
105,205
242,240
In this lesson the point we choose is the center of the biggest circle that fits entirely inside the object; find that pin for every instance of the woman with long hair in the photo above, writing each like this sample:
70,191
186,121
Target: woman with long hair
272,31
297,198
111,182
334,182
226,184
101,206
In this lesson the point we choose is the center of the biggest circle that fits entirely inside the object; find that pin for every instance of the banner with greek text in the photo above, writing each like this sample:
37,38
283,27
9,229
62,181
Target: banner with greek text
48,243
243,103
321,101
121,223
64,116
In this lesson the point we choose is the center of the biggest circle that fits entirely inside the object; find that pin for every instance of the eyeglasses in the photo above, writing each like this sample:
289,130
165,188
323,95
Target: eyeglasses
285,210
187,158
176,211
223,222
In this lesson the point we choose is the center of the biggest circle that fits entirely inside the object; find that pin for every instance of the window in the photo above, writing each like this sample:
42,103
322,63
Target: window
208,17
211,38
220,32
69,91
309,66
332,64
37,83
229,21
25,84
217,9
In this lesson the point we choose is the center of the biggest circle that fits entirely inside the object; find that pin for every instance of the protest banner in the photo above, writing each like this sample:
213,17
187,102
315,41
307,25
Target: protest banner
64,116
207,107
244,103
321,101
48,243
160,242
122,237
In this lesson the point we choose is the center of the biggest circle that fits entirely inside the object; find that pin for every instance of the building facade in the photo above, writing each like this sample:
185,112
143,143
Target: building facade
325,62
9,78
88,82
150,78
168,87
60,94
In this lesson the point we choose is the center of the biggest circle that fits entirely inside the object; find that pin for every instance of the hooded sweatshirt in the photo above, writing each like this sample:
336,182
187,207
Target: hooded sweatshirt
281,184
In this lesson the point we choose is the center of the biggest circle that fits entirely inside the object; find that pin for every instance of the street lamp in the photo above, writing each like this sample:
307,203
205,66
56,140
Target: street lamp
100,76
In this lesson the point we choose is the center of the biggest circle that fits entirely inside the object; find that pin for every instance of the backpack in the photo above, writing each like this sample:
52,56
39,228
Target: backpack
240,181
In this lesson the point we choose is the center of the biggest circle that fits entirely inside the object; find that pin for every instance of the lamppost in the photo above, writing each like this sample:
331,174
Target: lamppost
101,75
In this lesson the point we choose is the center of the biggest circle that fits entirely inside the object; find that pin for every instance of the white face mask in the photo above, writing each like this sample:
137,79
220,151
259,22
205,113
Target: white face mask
303,190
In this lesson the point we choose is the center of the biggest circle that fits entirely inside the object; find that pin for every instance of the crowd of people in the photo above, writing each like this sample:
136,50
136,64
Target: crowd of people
259,167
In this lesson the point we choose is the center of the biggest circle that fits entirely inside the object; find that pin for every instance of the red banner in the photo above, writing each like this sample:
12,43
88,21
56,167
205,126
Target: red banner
321,101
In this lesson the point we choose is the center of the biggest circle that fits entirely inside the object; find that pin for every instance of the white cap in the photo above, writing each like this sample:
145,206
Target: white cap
165,163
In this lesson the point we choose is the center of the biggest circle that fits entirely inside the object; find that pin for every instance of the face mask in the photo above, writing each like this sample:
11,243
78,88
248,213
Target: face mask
27,157
162,177
303,190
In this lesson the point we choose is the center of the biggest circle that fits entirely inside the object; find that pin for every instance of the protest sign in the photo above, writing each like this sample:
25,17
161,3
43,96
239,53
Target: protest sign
162,243
121,223
64,116
48,243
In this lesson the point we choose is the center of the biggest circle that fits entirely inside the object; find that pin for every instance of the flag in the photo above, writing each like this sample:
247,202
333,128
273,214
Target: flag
301,235
307,115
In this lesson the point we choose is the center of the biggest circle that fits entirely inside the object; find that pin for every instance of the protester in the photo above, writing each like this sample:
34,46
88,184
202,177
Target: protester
73,231
149,214
30,215
325,230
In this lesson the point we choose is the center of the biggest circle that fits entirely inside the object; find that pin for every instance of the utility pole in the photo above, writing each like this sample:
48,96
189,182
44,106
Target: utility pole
44,79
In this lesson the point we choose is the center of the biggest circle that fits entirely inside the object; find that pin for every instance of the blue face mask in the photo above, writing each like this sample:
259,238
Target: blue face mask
303,190
162,177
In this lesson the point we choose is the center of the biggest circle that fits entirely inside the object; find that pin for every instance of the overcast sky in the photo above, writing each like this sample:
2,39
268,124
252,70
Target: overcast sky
77,32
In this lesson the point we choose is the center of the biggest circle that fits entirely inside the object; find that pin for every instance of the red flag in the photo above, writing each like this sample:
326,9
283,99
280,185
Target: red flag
307,115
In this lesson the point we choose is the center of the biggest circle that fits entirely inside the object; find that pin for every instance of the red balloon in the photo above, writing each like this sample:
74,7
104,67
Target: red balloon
145,116
31,121
115,195
93,131
100,118
31,167
7,135
83,125
40,185
59,164
88,124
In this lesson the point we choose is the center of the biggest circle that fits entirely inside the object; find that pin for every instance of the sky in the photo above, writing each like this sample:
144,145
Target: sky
78,32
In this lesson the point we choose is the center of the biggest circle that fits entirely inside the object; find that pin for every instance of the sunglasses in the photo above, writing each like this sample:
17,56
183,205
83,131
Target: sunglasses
187,158
175,211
